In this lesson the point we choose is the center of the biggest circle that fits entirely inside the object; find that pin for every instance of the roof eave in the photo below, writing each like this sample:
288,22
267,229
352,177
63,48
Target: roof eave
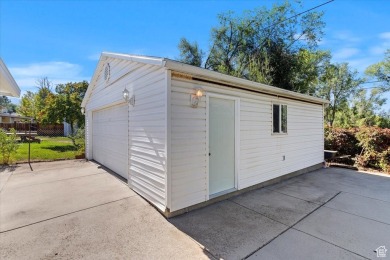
250,85
135,58
203,73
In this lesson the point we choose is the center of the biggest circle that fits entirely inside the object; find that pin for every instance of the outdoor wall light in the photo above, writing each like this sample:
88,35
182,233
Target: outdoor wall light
126,95
127,98
196,96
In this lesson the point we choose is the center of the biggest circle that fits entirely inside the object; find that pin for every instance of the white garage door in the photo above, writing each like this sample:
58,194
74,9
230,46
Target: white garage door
110,138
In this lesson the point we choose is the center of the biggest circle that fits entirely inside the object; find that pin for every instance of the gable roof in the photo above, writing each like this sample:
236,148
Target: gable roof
8,86
201,73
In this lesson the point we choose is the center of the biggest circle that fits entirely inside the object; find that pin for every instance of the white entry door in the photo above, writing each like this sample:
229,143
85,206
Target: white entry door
221,145
110,130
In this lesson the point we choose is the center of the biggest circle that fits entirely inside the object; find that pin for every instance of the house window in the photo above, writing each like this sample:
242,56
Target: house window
279,118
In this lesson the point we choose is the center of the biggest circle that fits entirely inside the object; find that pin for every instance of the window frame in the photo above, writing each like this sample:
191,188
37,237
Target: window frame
280,132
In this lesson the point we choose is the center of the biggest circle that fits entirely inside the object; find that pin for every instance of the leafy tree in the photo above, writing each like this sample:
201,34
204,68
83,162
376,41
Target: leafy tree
34,104
66,105
365,106
190,53
383,119
337,83
273,46
5,102
28,106
381,71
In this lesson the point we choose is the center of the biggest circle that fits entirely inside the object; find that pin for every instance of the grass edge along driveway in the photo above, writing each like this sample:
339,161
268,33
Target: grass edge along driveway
50,149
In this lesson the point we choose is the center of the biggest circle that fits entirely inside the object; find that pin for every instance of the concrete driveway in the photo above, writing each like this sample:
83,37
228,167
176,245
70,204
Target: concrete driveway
75,209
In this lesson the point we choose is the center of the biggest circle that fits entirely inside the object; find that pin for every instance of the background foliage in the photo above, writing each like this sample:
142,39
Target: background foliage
8,146
368,146
48,106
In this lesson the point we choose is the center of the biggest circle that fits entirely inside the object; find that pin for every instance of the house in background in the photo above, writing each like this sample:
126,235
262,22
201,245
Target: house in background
10,118
183,136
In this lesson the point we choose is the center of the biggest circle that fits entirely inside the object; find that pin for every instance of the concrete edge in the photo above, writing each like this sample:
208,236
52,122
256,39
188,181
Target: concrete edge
7,170
169,214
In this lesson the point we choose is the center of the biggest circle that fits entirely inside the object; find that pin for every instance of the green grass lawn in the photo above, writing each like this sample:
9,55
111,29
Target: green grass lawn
50,148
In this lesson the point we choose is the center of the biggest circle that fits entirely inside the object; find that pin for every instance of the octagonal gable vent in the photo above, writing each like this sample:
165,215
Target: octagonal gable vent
107,72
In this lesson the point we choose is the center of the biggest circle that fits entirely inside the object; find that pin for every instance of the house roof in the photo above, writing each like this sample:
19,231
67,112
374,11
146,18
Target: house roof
13,115
205,74
8,86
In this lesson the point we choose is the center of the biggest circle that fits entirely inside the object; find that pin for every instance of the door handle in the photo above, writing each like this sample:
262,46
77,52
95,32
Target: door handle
209,154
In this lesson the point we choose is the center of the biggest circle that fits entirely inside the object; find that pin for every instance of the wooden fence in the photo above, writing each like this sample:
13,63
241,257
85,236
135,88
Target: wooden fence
43,130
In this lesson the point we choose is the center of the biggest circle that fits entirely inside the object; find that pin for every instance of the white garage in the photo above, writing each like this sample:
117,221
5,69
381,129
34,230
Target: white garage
184,136
110,138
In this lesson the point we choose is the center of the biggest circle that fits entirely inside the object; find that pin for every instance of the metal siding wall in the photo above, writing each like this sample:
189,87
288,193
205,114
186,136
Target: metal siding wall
147,138
188,148
147,131
260,151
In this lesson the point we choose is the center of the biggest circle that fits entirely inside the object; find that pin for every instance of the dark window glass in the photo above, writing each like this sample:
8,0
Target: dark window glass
276,118
284,118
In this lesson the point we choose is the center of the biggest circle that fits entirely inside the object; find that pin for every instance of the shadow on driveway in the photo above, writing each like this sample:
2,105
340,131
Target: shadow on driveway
327,214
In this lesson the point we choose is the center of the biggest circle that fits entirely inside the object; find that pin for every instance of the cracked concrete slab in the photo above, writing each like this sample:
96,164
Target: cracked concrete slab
283,208
295,245
23,205
362,206
75,209
363,184
46,172
306,191
228,230
354,233
125,229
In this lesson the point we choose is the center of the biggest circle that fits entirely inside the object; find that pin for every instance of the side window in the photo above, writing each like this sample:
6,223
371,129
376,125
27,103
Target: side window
279,118
276,121
284,119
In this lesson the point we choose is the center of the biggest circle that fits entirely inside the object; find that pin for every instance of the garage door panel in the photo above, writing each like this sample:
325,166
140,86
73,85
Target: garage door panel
110,138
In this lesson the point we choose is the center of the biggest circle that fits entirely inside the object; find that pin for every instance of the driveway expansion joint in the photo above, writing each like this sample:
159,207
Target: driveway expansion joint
330,243
245,207
66,214
292,226
346,212
23,186
313,202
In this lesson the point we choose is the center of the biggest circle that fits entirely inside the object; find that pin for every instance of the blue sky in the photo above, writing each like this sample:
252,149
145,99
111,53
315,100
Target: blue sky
63,39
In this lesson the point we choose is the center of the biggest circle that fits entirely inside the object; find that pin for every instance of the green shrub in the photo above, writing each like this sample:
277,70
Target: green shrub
343,141
368,146
375,143
8,146
78,140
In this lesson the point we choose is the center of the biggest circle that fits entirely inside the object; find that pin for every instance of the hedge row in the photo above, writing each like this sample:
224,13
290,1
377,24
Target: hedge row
368,146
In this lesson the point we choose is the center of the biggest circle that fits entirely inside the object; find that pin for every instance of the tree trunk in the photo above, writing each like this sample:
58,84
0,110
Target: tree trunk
71,128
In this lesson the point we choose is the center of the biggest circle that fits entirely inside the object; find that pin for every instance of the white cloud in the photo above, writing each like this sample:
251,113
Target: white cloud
361,64
385,35
56,71
345,53
378,50
382,45
346,36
